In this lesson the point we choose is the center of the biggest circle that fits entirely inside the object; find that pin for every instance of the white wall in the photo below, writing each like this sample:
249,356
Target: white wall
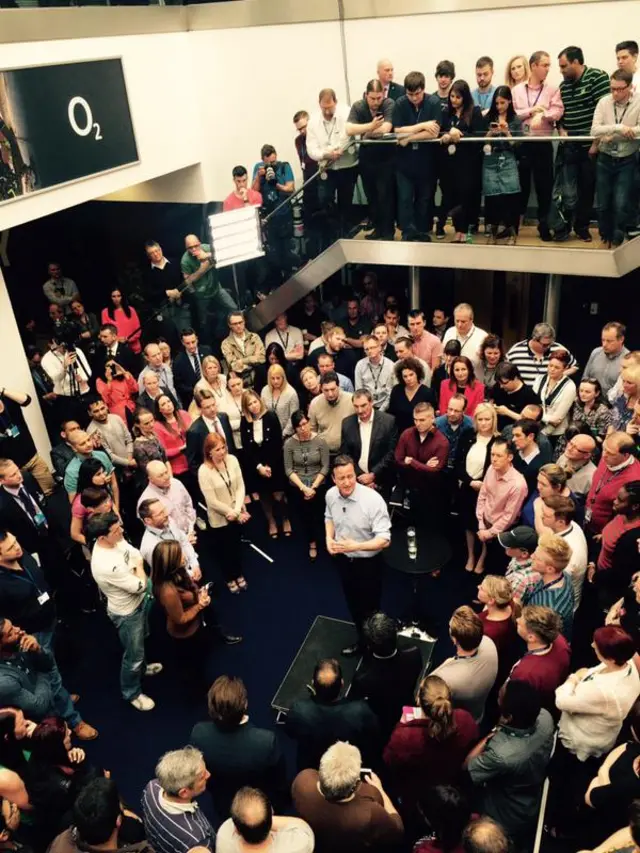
14,371
163,98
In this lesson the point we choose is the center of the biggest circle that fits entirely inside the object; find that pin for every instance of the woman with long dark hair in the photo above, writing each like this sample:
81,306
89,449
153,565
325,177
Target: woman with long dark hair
146,445
462,380
15,731
463,118
446,812
500,180
171,429
124,317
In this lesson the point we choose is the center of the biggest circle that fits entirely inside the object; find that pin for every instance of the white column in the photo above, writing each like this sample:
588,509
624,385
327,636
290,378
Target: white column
15,373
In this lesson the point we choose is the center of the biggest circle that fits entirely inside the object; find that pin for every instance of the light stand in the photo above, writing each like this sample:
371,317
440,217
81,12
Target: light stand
236,236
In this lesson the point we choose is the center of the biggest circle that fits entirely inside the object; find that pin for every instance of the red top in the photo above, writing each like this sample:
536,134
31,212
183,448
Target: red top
611,533
418,761
118,395
174,443
232,202
409,444
474,396
125,325
604,488
545,672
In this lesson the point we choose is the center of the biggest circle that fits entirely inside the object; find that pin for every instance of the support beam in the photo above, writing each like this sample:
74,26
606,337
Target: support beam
552,289
414,287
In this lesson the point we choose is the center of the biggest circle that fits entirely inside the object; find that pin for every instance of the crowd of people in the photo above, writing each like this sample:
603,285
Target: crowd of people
399,173
341,427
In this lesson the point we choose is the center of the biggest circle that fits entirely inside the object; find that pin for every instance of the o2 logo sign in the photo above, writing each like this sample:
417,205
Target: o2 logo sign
87,118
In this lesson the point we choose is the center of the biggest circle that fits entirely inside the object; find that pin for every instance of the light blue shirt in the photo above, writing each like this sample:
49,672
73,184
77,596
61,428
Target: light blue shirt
362,516
483,99
165,378
152,536
73,469
345,383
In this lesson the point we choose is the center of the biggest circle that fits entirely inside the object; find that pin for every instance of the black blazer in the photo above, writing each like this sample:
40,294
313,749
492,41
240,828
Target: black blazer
270,452
466,441
124,356
196,435
384,437
184,376
15,519
316,726
395,91
145,401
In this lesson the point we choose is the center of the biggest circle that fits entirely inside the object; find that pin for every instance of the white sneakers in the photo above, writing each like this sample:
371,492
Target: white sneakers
153,669
143,703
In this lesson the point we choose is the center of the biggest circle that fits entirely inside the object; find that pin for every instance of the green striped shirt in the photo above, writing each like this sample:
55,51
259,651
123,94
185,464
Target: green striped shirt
580,98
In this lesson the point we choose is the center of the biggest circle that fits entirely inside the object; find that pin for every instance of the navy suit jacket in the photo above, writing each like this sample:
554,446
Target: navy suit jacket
184,376
14,518
196,435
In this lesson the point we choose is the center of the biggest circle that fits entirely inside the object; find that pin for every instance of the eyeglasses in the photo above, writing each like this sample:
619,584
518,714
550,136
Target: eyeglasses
619,88
577,449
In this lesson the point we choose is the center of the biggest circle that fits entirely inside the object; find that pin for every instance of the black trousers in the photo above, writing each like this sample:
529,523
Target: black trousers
362,586
226,548
310,513
502,210
335,196
415,202
378,179
536,164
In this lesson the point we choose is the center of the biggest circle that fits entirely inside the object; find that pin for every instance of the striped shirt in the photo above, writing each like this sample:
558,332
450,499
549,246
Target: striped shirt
580,98
530,365
558,598
172,827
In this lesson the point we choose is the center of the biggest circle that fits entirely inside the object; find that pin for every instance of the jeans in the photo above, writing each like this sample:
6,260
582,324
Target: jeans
132,630
615,185
62,703
415,198
211,315
573,188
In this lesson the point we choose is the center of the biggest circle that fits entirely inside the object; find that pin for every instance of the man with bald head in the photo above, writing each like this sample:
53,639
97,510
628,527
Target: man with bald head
577,461
153,357
617,467
320,720
84,448
253,826
385,76
173,495
211,301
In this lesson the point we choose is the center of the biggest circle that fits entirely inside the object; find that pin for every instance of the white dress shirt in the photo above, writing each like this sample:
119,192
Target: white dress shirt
366,428
469,344
323,137
176,501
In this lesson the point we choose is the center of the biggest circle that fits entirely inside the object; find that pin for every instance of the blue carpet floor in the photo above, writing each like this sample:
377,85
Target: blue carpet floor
274,616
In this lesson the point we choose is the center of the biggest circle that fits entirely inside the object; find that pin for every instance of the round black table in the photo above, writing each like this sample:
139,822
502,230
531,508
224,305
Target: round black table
433,554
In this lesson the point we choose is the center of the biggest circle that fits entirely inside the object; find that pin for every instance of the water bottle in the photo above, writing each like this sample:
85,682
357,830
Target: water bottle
412,545
469,237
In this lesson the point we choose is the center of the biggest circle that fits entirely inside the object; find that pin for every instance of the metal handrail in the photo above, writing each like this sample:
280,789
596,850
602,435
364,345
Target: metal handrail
392,139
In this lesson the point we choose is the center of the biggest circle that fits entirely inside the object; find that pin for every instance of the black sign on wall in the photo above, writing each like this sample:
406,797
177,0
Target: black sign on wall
59,123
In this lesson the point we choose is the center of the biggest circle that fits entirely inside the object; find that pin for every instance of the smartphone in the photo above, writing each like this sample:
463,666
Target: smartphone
494,125
208,586
364,772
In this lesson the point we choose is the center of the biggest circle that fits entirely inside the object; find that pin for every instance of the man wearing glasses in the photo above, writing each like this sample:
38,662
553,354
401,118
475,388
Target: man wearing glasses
616,124
212,303
577,462
241,349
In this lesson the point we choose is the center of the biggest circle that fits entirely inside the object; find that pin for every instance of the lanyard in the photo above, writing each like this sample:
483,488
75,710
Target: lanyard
529,104
466,340
624,112
29,579
330,130
226,479
376,379
274,402
283,341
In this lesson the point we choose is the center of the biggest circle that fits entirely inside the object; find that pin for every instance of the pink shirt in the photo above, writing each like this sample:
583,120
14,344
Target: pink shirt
525,98
232,202
428,347
474,396
500,500
125,326
174,443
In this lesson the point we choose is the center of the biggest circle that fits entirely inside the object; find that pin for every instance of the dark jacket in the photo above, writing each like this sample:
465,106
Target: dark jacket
467,440
388,684
184,376
24,683
316,726
19,448
395,91
16,519
384,437
61,455
196,435
270,452
245,755
20,593
145,401
124,356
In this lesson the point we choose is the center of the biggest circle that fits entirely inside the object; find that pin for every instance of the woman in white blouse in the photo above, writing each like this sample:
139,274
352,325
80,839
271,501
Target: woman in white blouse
473,460
557,394
213,379
594,702
221,483
231,405
280,398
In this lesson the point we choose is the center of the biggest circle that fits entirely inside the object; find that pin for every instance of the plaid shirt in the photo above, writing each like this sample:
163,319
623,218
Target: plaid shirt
522,578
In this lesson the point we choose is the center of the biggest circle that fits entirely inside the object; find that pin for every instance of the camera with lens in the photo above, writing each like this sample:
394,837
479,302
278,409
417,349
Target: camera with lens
270,172
66,333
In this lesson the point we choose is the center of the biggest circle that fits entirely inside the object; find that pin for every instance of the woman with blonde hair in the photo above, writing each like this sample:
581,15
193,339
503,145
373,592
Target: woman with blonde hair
430,743
499,621
280,397
264,459
623,404
472,463
310,382
517,71
221,483
212,379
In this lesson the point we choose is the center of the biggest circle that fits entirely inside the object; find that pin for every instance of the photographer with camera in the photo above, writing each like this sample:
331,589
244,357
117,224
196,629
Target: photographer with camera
118,388
273,179
69,370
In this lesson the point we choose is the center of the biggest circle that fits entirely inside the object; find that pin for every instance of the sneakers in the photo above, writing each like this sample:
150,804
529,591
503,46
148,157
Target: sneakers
83,731
153,669
583,234
143,703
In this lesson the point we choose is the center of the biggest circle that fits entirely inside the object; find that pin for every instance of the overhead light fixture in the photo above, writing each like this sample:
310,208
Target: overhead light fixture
236,236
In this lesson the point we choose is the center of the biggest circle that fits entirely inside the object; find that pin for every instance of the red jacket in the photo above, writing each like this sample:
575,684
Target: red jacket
474,396
435,444
604,488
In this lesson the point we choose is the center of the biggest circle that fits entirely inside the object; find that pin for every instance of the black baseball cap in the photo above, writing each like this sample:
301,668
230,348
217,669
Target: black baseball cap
520,537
